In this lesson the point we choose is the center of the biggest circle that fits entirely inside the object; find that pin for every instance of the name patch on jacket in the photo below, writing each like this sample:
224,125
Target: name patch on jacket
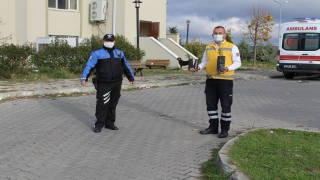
118,53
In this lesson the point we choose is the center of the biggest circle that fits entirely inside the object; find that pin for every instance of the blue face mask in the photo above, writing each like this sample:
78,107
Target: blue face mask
218,38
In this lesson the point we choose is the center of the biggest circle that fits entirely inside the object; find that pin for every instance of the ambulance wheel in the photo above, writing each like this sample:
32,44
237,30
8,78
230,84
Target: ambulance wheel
288,75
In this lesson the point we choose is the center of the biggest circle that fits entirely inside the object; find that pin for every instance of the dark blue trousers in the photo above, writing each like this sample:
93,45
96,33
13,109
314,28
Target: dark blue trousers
219,90
108,95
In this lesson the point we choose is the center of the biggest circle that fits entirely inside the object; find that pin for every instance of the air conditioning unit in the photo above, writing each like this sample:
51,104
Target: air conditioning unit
98,10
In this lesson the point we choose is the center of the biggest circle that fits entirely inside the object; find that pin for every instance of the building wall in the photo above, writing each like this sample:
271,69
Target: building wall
21,31
155,50
28,19
175,37
8,18
63,22
120,21
150,10
155,11
86,29
35,24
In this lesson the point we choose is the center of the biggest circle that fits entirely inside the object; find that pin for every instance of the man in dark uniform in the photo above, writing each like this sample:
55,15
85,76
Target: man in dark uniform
110,63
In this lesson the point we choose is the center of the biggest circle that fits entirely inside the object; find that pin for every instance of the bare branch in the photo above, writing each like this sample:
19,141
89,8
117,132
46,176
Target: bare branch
3,39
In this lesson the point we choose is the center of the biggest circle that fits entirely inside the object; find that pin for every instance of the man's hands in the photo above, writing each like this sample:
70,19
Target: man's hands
132,82
193,69
225,70
84,83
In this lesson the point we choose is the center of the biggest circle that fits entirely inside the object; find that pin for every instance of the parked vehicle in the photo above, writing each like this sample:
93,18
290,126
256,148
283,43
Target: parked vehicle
298,52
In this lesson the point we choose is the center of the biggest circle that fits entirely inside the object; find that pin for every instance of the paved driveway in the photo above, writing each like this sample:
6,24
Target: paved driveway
52,138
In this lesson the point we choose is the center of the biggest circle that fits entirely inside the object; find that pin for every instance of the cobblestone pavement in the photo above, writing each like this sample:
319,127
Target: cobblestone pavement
52,138
67,86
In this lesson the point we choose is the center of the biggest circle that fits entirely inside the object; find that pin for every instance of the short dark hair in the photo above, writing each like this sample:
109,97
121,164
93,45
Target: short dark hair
217,27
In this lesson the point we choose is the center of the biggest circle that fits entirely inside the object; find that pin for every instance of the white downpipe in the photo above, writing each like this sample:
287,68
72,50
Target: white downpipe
114,17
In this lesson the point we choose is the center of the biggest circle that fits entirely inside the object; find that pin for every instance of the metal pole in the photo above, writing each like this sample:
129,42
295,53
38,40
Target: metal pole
280,15
280,22
188,23
138,26
187,33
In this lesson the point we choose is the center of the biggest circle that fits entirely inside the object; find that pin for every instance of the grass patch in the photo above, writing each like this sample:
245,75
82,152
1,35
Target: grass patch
210,170
278,154
43,74
247,65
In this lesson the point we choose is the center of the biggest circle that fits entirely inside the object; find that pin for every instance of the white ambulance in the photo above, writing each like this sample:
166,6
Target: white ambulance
299,50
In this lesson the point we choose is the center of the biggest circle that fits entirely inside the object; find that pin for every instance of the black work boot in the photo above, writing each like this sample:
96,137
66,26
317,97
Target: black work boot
209,131
213,128
96,130
223,134
225,126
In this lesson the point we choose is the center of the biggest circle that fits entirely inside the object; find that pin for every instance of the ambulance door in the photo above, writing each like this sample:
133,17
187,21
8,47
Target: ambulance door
290,54
310,55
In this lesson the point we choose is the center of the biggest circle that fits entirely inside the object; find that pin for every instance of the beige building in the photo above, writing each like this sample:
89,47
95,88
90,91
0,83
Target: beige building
29,20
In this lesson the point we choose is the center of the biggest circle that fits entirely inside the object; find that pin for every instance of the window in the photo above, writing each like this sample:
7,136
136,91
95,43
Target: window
73,4
63,4
311,42
52,4
290,41
301,41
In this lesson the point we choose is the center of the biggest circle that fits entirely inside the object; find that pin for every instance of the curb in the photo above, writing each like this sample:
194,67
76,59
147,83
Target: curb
45,92
223,161
89,89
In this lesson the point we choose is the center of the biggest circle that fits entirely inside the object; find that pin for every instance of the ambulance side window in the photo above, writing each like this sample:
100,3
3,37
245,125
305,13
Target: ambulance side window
290,42
311,42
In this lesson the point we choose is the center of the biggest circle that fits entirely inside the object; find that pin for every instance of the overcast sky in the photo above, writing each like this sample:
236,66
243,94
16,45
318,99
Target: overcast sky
206,14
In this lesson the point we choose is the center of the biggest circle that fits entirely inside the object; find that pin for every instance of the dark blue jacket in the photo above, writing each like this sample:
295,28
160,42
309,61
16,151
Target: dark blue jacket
110,64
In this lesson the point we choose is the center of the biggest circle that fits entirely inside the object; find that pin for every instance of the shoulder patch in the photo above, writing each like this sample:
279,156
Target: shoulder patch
118,52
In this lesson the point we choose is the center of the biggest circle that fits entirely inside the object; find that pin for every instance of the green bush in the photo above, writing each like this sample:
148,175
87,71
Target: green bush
196,47
267,53
131,53
14,59
56,55
60,55
246,52
57,58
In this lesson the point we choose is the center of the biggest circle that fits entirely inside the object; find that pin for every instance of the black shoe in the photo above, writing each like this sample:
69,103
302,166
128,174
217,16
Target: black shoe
113,127
223,134
97,130
209,131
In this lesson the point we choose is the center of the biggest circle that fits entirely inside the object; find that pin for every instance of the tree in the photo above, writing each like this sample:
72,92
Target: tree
173,30
258,27
229,37
245,50
267,53
6,37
